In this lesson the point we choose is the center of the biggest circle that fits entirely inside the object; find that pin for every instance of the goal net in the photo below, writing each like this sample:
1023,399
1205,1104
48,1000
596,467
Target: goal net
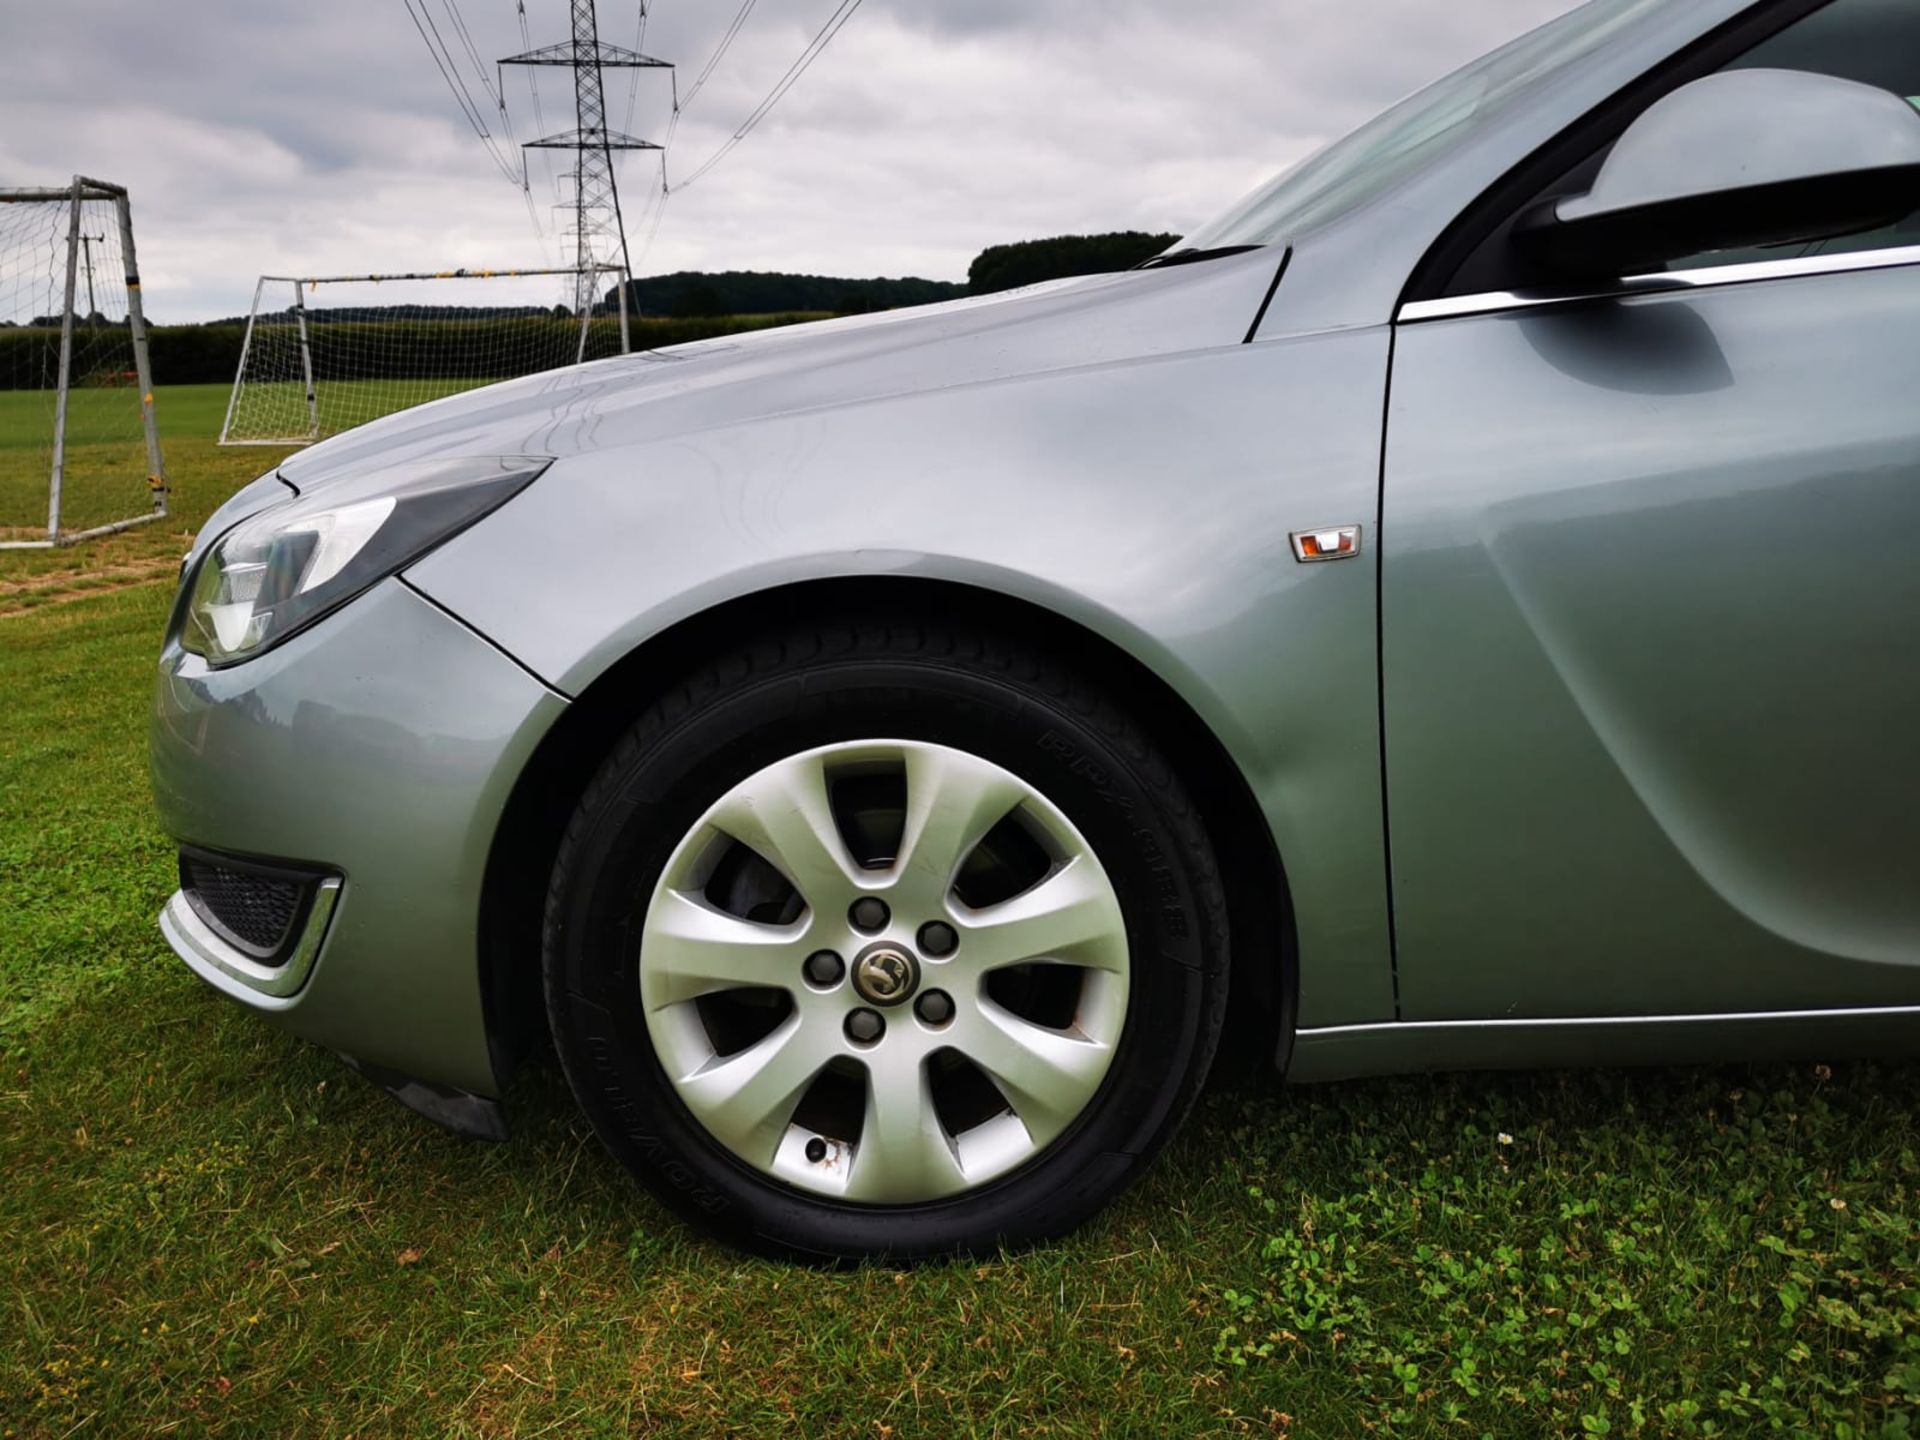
325,353
79,454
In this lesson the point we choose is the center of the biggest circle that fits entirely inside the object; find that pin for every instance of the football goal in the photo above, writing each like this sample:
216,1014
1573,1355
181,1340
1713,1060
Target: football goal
323,353
79,453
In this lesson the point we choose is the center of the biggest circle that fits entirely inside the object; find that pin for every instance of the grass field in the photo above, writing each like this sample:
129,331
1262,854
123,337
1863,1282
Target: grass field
106,460
207,1229
200,475
105,475
274,410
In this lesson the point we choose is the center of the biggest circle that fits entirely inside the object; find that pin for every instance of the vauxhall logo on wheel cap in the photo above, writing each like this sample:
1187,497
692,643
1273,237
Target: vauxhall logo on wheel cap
885,975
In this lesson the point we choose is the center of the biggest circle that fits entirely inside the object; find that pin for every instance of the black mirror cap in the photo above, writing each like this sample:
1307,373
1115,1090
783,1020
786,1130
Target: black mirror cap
1786,212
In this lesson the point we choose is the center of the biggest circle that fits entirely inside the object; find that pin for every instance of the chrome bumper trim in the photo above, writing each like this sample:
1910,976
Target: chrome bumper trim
239,975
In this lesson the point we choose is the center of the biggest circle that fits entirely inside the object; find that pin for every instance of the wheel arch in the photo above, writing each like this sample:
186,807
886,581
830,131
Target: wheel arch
527,838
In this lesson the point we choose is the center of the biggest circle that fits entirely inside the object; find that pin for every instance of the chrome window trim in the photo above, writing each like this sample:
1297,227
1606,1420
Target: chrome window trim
1448,307
1408,1027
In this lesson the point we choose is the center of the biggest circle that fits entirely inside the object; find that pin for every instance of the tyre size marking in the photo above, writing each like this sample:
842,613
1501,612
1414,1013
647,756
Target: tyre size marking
1166,887
633,1127
1057,744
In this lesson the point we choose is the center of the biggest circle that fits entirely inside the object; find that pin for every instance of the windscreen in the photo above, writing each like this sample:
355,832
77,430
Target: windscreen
1416,131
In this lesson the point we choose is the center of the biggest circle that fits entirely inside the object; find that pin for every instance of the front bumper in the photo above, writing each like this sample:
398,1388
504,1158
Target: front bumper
381,746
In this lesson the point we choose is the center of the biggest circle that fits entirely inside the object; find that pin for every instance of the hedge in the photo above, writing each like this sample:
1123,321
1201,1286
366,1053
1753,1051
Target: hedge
384,350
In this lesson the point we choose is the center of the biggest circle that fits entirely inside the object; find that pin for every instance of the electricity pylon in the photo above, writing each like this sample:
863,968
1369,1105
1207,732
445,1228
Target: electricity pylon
598,228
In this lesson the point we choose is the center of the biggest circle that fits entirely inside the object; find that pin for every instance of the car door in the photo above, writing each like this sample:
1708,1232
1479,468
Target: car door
1650,624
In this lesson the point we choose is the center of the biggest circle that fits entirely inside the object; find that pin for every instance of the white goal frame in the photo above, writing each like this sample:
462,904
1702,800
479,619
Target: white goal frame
82,190
586,283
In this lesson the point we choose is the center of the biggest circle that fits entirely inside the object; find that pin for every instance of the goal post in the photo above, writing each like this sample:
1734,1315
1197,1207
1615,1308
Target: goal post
79,445
324,353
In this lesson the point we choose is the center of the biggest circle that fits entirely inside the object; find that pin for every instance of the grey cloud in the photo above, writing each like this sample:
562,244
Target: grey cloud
270,137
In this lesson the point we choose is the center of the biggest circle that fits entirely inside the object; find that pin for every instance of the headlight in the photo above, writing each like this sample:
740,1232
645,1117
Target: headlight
280,570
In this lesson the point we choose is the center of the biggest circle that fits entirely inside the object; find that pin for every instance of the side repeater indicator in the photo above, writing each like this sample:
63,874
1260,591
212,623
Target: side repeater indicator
1342,542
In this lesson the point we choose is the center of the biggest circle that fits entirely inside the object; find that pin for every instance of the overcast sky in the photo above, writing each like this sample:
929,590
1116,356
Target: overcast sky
262,136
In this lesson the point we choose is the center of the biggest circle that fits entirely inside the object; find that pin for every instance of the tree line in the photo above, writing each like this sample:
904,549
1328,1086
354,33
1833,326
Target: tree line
665,309
487,348
998,267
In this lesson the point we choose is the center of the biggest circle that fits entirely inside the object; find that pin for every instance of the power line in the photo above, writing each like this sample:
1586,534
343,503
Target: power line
448,65
640,44
786,82
498,97
462,96
680,102
726,40
539,117
659,210
654,192
453,71
533,90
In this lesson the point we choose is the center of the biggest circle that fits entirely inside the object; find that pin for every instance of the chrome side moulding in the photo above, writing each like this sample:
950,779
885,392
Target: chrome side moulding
1343,1052
1415,1027
226,968
1448,307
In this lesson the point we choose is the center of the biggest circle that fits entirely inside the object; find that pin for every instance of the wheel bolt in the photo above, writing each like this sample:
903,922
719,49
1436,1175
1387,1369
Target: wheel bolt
865,1026
937,939
824,968
934,1007
869,913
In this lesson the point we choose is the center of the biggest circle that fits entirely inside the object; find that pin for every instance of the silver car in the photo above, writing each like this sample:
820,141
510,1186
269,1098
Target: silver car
1457,609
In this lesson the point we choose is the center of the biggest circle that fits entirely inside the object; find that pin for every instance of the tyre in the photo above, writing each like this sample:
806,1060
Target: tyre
886,944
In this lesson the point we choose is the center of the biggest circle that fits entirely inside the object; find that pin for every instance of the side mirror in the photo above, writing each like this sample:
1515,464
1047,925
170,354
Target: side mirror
1745,157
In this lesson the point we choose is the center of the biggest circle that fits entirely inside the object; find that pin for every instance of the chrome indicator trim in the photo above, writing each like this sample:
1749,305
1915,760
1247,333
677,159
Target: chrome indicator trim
1335,542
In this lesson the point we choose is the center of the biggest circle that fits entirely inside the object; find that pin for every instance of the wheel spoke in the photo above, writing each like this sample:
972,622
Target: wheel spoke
692,949
783,814
953,800
747,1099
903,1152
1047,1076
1071,916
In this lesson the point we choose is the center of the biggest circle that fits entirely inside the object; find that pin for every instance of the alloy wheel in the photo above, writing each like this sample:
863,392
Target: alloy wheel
884,971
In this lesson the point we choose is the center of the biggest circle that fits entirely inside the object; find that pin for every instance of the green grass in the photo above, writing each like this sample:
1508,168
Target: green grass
279,409
208,1229
106,469
106,460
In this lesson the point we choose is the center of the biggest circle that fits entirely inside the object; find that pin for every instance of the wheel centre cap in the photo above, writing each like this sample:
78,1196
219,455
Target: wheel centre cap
885,974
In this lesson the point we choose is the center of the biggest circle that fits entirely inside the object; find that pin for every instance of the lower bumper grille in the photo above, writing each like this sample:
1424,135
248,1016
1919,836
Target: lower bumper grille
256,908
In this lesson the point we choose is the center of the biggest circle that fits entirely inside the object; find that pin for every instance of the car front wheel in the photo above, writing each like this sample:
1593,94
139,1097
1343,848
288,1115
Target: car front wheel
889,943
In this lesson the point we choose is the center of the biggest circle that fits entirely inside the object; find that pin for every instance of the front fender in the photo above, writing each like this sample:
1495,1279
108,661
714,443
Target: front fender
1149,501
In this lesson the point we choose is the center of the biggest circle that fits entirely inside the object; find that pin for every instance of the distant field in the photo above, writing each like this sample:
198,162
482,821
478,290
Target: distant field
106,459
279,411
108,482
106,475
